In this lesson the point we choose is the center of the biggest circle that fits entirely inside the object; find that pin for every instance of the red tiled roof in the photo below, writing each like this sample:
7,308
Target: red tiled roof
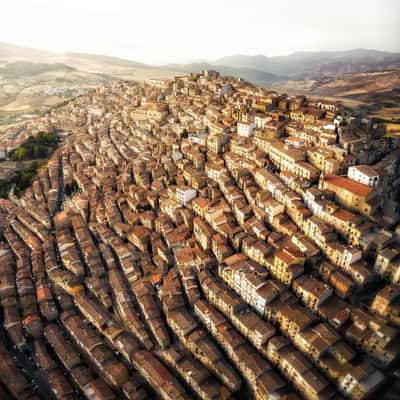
345,215
201,202
349,185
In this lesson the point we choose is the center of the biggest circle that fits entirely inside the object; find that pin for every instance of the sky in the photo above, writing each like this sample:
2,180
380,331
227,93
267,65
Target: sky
167,31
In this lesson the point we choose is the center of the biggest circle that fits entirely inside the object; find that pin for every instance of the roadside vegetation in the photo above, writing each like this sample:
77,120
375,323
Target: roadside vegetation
21,180
40,146
37,150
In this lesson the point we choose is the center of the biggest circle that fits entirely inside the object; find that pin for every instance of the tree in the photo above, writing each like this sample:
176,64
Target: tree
18,154
185,133
39,146
71,188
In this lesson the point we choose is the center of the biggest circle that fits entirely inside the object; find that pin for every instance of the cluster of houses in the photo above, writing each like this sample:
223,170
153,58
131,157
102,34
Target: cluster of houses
203,237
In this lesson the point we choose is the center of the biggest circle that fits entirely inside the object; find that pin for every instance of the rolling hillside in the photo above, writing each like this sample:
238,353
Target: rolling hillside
376,93
311,64
32,81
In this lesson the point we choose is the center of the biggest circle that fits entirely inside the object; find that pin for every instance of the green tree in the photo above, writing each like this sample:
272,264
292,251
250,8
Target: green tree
18,154
40,146
185,133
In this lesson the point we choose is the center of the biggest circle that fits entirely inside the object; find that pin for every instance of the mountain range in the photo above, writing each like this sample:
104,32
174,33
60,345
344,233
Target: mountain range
258,68
310,64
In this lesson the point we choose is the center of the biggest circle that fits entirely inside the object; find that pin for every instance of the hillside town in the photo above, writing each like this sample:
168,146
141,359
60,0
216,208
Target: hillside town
203,238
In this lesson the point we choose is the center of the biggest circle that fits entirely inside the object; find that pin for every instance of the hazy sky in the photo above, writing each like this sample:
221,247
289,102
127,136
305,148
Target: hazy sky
159,31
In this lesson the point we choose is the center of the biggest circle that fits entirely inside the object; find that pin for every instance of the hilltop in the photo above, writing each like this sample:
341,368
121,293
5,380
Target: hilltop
32,80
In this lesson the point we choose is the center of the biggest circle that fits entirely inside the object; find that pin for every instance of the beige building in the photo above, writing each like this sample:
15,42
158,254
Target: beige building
151,111
353,195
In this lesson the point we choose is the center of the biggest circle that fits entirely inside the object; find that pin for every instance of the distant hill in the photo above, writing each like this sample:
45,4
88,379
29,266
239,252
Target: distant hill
249,74
300,65
107,60
377,93
355,85
19,69
93,63
309,64
258,68
32,80
11,52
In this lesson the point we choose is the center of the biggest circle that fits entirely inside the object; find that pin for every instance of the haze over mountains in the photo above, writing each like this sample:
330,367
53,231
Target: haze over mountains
32,80
86,62
300,64
306,64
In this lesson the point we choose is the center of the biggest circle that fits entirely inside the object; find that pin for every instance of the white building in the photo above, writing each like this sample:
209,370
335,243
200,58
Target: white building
245,128
184,194
351,255
363,174
224,90
261,120
215,172
176,155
